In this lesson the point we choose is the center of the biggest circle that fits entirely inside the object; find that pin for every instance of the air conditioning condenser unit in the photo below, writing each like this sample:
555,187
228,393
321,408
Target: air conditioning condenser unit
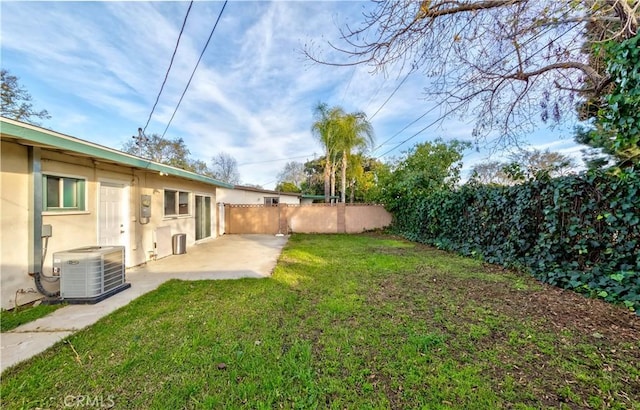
90,274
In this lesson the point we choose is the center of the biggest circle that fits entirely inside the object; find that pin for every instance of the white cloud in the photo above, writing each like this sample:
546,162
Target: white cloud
252,95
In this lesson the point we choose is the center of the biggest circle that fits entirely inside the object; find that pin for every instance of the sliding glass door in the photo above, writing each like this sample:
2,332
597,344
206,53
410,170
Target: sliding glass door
203,217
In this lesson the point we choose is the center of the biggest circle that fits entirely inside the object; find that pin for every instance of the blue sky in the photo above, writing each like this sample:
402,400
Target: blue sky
97,68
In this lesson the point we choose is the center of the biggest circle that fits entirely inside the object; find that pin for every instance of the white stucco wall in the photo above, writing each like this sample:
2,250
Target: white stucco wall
247,197
14,217
77,229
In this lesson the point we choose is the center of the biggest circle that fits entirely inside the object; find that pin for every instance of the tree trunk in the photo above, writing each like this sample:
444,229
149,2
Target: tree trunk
343,184
333,180
352,194
327,176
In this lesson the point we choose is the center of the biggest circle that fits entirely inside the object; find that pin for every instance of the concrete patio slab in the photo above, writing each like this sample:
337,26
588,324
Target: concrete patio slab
227,257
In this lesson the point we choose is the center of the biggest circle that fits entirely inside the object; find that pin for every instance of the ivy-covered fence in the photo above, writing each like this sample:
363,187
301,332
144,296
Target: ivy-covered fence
575,232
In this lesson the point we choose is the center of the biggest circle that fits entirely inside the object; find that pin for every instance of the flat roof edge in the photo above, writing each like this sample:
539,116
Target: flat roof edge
39,135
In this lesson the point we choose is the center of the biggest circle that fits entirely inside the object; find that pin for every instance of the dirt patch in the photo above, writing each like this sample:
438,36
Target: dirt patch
565,309
555,344
560,308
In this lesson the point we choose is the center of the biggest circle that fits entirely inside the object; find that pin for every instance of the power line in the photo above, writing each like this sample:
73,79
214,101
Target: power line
276,160
196,67
392,94
270,182
168,69
413,68
353,72
425,128
461,104
405,127
375,94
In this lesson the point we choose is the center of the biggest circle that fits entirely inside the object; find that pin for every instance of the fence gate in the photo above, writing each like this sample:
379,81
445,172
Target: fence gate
250,219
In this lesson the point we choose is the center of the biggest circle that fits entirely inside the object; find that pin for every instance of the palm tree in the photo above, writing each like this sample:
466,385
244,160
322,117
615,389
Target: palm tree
355,131
326,128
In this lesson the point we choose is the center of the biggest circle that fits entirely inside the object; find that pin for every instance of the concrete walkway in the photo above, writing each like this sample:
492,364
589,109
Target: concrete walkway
227,257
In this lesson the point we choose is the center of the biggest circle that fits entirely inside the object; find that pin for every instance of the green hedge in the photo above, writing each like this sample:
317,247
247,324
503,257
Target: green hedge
575,232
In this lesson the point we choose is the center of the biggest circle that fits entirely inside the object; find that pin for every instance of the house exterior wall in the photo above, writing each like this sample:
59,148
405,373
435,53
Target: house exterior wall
154,185
80,228
246,197
14,216
70,229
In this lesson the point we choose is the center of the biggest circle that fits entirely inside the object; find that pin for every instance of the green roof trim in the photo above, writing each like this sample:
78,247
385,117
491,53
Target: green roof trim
51,138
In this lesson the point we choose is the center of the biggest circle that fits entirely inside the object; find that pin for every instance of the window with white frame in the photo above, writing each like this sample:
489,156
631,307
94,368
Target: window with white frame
176,202
63,193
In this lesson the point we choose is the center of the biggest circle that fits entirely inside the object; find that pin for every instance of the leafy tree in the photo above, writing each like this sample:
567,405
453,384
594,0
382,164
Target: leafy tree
536,163
326,128
502,59
225,168
166,151
354,174
314,177
16,101
155,148
339,133
293,172
363,176
617,125
491,172
524,165
355,132
287,187
426,168
199,167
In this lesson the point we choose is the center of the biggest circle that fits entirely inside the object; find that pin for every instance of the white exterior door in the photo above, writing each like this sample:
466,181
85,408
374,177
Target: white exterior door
112,229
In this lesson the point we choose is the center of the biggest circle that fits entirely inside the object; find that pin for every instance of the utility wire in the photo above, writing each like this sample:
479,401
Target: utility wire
168,69
405,127
414,67
344,94
196,67
428,111
392,94
276,160
459,105
425,128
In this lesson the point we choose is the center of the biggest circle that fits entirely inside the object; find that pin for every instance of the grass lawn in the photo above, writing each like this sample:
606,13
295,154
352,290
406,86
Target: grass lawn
362,321
11,319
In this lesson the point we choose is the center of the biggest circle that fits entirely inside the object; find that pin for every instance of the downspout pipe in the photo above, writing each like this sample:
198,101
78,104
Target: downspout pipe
36,260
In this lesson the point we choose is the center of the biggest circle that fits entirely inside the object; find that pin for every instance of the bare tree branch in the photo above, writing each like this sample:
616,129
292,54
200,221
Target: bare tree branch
595,77
474,52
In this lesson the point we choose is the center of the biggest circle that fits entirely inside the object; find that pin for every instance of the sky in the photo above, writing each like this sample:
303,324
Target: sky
97,68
